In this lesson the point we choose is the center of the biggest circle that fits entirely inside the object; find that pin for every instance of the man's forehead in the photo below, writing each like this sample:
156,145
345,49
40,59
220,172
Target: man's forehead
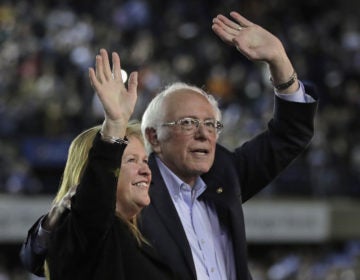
184,103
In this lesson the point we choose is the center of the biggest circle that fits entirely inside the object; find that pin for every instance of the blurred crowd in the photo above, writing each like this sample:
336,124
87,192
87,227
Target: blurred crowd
46,48
307,262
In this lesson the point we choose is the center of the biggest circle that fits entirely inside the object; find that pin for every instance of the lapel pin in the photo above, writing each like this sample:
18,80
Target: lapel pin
219,190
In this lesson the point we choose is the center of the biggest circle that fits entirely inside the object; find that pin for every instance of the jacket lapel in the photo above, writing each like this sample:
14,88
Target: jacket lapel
163,205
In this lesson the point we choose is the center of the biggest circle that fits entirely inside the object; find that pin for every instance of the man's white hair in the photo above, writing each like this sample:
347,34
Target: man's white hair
154,114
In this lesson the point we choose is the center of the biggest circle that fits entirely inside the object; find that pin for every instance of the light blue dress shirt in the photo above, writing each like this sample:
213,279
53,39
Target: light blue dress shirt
211,247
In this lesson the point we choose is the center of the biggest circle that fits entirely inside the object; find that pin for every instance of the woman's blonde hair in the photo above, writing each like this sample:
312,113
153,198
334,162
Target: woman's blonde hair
75,165
78,156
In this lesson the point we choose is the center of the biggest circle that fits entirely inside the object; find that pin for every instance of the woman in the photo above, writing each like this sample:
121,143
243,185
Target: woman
98,238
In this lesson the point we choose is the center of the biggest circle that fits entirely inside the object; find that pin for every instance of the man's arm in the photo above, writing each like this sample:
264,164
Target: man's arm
33,251
258,44
264,157
32,256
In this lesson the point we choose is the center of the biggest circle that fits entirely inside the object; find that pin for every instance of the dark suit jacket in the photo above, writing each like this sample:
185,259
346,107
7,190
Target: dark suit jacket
33,261
234,178
91,242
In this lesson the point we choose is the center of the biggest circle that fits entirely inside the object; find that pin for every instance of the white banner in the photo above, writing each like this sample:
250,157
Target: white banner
287,221
18,213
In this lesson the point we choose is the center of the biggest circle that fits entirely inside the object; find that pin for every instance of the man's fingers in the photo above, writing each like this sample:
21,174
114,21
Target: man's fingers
229,29
226,23
242,21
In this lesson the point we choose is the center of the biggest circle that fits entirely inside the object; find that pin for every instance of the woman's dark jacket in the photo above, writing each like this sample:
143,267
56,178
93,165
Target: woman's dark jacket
91,242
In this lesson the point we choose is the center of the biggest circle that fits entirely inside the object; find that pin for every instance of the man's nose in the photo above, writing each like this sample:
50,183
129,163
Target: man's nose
201,131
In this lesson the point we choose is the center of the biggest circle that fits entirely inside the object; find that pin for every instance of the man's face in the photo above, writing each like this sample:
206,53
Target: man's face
188,155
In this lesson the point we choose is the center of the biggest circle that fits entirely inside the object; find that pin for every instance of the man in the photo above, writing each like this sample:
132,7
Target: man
195,219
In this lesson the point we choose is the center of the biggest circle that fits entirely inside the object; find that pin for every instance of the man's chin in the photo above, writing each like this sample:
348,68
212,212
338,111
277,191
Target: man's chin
200,171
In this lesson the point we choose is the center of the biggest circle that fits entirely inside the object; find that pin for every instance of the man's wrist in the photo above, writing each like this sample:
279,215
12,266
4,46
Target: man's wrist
286,84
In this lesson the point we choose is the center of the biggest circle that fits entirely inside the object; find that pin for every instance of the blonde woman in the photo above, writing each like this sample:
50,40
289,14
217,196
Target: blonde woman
98,238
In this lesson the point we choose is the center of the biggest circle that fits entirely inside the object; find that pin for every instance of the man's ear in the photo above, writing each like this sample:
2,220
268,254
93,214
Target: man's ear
151,136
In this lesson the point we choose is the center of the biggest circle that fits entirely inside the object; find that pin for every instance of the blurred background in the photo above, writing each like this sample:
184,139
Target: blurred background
305,225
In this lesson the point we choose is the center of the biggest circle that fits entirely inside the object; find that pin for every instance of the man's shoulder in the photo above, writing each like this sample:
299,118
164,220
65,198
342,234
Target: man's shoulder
223,153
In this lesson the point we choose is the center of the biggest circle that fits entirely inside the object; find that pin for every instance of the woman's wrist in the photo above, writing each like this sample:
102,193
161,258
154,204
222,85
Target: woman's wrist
113,129
113,139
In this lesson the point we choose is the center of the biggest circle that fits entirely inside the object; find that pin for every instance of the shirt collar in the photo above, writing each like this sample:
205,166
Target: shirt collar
174,183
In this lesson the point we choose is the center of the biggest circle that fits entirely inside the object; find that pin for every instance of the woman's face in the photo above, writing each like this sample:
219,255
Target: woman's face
134,180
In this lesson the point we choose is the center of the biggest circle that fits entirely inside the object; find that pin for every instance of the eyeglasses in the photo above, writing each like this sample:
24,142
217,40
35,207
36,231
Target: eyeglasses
190,125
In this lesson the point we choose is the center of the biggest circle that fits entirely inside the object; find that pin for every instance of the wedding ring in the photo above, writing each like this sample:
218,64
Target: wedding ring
239,27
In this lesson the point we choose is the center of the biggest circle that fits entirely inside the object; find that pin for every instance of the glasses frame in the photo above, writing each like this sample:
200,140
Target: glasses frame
195,123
